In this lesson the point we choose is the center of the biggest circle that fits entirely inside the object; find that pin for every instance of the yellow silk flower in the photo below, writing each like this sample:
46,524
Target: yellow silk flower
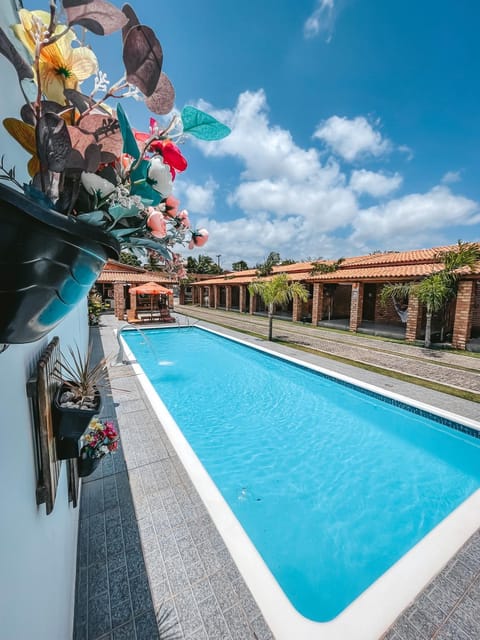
61,66
24,134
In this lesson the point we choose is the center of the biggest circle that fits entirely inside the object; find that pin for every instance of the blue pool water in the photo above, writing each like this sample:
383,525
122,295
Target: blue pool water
331,484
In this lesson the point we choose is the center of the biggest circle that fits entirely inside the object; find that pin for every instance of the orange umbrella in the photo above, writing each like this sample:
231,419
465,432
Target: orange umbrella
152,288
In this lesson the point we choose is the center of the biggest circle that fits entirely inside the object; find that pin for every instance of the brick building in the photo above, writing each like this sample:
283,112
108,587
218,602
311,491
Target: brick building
349,297
115,280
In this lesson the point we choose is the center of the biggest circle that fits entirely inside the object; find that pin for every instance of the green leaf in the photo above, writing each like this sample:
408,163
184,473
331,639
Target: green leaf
122,233
95,218
141,187
118,212
130,145
201,125
148,243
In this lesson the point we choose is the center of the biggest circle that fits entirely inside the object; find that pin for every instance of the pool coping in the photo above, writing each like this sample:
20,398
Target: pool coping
371,613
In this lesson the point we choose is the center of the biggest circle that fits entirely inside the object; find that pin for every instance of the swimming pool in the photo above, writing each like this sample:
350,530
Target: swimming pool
305,463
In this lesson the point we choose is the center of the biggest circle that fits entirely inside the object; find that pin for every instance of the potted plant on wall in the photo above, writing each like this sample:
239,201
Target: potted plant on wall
96,184
77,400
100,439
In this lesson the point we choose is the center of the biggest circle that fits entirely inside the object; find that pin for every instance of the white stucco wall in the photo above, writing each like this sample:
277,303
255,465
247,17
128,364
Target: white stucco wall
37,552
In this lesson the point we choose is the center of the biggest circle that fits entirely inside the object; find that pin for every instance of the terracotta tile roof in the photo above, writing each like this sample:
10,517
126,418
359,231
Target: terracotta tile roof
416,263
410,271
134,277
114,265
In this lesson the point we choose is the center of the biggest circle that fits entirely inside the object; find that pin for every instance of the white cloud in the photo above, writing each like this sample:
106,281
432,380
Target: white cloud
252,239
414,219
280,177
353,138
403,148
374,184
320,20
265,150
451,176
197,198
291,201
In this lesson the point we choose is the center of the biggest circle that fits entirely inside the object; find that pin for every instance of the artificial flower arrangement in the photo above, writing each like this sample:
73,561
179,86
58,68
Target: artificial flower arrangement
86,160
101,438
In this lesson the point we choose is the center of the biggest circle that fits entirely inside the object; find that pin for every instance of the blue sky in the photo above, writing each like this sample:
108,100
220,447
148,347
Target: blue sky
355,123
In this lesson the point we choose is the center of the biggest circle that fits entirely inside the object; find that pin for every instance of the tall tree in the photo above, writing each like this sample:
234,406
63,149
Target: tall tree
265,268
153,262
436,290
278,290
128,258
241,265
204,264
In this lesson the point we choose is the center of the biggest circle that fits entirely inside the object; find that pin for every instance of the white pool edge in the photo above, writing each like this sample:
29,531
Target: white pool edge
369,615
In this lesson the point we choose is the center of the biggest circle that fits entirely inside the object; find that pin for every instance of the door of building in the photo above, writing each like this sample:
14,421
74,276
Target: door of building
369,300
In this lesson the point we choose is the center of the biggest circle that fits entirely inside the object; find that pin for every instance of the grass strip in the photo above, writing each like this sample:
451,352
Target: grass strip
404,377
406,356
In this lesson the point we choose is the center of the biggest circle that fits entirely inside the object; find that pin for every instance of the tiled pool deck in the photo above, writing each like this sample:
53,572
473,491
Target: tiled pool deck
148,550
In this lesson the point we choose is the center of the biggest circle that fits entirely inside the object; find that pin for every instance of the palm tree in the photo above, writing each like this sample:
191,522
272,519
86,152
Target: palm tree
436,290
278,290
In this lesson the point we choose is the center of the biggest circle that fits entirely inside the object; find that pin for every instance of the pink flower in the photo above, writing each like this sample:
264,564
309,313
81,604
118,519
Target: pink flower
171,206
183,217
156,223
199,238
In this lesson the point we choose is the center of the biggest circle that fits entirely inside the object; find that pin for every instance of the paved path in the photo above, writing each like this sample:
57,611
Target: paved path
461,371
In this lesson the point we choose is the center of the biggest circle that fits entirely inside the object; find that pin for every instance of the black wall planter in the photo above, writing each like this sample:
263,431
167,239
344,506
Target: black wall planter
69,425
86,466
48,263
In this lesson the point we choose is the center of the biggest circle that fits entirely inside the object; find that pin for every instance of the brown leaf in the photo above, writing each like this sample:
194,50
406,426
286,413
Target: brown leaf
74,3
143,58
23,69
92,158
53,142
132,20
83,153
80,101
27,112
163,98
98,16
106,133
69,192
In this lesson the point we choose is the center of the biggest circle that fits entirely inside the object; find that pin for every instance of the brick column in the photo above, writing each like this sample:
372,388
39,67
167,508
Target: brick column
356,305
317,303
414,318
133,303
297,309
216,296
119,300
242,297
228,298
210,296
462,325
253,303
181,294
